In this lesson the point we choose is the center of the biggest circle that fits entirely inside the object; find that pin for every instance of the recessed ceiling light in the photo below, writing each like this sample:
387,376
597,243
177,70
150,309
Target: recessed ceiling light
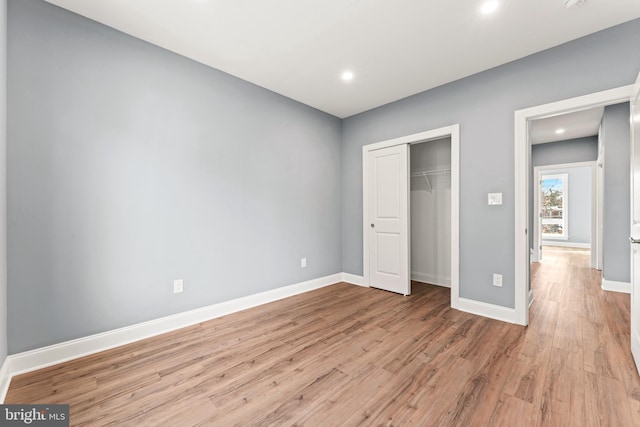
573,3
559,131
347,76
489,7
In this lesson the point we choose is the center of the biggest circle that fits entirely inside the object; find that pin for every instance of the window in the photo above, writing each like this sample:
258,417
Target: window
553,206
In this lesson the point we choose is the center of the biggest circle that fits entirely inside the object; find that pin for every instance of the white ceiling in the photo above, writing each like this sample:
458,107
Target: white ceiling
396,48
575,125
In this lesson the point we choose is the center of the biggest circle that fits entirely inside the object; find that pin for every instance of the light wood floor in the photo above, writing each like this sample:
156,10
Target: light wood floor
346,355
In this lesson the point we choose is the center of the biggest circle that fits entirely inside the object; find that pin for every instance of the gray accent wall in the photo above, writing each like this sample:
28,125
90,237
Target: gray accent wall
567,151
131,166
3,181
484,105
616,134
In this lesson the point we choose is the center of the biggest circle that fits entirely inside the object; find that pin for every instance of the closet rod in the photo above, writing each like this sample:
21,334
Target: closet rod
431,172
428,173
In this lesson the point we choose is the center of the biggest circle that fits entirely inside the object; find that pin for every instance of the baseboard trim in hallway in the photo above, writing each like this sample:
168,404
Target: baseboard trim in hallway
612,285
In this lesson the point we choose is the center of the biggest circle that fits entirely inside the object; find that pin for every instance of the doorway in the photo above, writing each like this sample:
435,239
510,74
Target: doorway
523,121
565,208
369,234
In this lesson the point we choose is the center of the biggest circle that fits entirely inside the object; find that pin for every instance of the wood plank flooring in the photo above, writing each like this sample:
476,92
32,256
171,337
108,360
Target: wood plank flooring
346,355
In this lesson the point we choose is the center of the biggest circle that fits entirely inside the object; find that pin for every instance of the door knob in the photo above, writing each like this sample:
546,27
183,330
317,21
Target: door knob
632,240
373,226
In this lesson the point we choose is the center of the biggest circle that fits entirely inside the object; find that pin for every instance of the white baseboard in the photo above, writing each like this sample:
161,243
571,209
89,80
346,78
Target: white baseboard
27,361
530,298
491,311
635,349
533,256
5,380
353,279
47,356
565,244
612,285
431,279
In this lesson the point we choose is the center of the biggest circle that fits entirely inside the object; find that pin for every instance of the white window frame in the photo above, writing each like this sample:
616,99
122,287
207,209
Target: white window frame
565,206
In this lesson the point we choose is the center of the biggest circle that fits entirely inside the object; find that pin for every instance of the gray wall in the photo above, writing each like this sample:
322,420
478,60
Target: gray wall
568,151
130,166
3,182
554,153
615,137
579,203
431,214
484,105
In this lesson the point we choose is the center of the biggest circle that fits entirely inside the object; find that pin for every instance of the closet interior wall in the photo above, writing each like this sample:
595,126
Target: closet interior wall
431,212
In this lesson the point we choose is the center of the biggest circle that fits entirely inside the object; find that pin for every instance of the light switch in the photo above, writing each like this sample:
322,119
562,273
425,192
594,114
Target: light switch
495,199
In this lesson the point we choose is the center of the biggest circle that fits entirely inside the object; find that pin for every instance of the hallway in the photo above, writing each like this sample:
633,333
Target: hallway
584,340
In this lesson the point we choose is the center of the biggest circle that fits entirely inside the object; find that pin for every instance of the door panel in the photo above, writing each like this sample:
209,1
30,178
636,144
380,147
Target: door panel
635,223
388,250
388,184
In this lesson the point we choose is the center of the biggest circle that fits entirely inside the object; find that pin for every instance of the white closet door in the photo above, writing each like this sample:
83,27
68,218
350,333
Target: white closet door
388,184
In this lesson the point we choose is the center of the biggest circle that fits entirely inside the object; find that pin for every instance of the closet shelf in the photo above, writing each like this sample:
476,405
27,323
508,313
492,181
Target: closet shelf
427,173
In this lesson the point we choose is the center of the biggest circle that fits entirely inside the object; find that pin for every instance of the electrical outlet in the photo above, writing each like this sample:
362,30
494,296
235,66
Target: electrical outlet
178,286
497,280
303,263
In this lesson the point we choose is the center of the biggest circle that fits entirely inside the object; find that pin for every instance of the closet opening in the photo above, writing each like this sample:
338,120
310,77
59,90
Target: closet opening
430,212
392,184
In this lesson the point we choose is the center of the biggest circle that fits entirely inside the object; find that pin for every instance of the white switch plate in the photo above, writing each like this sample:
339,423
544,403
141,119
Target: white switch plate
178,286
303,263
495,199
497,280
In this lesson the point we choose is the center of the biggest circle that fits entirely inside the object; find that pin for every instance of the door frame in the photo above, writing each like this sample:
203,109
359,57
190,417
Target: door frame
452,131
522,166
600,203
537,171
634,314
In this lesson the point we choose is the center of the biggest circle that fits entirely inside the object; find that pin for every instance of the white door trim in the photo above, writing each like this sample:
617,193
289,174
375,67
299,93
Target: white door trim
454,132
634,223
599,260
522,158
594,203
